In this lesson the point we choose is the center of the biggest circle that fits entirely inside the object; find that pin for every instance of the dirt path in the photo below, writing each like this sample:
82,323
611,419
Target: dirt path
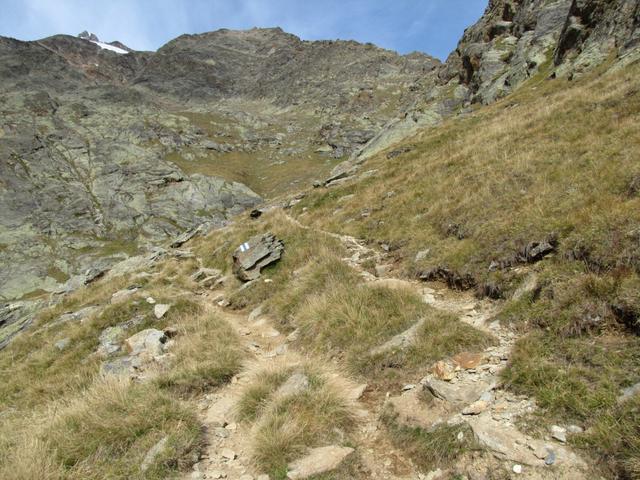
468,393
227,452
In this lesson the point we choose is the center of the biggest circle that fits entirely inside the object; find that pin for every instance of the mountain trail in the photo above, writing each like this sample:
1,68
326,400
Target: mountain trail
467,391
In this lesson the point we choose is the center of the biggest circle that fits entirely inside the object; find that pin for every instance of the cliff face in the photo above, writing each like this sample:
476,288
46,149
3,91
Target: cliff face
513,41
514,38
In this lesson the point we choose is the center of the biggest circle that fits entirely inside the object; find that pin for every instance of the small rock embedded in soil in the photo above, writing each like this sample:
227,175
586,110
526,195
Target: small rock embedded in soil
629,392
228,454
574,429
295,384
559,433
160,310
550,459
443,371
476,408
318,461
63,344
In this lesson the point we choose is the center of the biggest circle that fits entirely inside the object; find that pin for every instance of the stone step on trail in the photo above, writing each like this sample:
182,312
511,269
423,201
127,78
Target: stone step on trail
318,461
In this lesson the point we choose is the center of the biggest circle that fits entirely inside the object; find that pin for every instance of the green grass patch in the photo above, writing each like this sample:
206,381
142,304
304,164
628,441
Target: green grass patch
429,450
208,354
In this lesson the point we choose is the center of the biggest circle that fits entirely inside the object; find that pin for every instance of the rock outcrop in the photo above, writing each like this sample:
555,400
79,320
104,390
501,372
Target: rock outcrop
514,41
104,153
255,254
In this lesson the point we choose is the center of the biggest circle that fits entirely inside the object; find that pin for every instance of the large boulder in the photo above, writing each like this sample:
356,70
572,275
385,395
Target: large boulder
255,254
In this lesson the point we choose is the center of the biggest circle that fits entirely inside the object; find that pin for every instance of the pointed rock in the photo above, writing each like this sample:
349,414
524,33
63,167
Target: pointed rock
255,254
153,453
160,310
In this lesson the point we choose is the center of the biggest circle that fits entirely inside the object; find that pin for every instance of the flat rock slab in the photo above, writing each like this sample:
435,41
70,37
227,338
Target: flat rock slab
457,393
220,412
147,342
122,295
502,440
318,461
77,316
412,411
121,366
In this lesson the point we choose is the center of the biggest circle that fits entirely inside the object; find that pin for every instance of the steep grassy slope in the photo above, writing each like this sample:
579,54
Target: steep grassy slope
555,163
64,419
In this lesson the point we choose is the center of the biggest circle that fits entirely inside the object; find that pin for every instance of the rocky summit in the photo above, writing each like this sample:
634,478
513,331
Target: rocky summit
251,256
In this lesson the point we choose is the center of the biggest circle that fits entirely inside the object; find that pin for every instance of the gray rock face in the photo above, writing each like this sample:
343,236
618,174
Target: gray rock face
255,254
15,317
271,63
88,139
92,184
512,42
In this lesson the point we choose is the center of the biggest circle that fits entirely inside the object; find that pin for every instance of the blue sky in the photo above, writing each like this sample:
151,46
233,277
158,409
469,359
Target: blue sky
431,26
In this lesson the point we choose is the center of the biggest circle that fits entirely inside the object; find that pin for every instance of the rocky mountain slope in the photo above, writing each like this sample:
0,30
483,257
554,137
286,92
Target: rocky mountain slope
138,142
457,299
514,41
105,153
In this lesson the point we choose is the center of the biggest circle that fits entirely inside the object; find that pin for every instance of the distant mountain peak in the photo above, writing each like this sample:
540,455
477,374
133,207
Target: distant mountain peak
117,47
92,37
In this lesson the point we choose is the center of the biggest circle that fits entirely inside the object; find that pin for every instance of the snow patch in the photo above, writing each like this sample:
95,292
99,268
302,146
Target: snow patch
106,46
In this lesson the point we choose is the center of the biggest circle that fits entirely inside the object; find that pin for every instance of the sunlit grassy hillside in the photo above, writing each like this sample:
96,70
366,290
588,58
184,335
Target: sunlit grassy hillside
556,162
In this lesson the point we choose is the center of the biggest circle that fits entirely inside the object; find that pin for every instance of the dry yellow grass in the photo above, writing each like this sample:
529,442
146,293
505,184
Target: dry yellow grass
63,420
283,426
103,432
556,158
